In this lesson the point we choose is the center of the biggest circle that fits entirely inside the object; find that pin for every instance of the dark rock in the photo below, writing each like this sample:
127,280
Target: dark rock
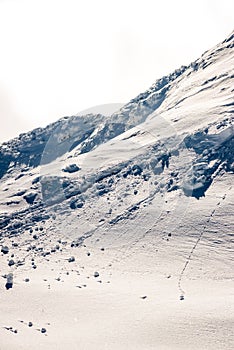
76,203
5,250
16,224
72,168
40,217
71,259
133,208
103,191
20,193
136,170
30,197
45,254
11,262
9,283
96,274
36,180
19,176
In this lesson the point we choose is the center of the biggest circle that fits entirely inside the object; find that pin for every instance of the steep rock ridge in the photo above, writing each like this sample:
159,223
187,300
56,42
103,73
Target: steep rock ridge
86,132
175,137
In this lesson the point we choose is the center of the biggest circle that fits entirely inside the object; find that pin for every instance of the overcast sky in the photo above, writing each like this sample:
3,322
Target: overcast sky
59,57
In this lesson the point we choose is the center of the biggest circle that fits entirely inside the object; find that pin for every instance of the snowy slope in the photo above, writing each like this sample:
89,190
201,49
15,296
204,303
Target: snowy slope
193,115
143,197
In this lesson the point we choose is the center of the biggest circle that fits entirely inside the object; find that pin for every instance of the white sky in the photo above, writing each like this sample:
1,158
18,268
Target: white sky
58,57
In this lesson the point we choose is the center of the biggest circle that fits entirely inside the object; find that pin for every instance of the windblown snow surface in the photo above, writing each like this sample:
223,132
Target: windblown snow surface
117,232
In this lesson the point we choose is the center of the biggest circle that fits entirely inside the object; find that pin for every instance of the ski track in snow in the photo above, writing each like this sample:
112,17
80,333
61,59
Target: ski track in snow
196,244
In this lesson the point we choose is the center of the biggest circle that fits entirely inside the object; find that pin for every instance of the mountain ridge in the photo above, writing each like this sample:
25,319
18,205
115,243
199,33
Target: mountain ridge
127,218
79,138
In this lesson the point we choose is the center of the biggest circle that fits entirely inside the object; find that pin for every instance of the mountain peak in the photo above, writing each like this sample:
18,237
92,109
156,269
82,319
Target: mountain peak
125,217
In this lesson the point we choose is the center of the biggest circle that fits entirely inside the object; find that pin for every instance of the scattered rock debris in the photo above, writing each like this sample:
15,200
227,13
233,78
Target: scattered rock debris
11,329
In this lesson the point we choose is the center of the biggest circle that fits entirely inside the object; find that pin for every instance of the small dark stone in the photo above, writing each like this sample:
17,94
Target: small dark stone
43,330
71,259
75,204
30,197
136,170
30,324
11,262
35,237
96,274
8,285
72,168
5,250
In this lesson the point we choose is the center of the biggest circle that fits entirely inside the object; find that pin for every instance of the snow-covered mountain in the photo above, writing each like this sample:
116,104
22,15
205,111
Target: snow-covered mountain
187,114
150,183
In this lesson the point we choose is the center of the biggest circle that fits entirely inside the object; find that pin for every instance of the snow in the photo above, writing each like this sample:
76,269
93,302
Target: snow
123,225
